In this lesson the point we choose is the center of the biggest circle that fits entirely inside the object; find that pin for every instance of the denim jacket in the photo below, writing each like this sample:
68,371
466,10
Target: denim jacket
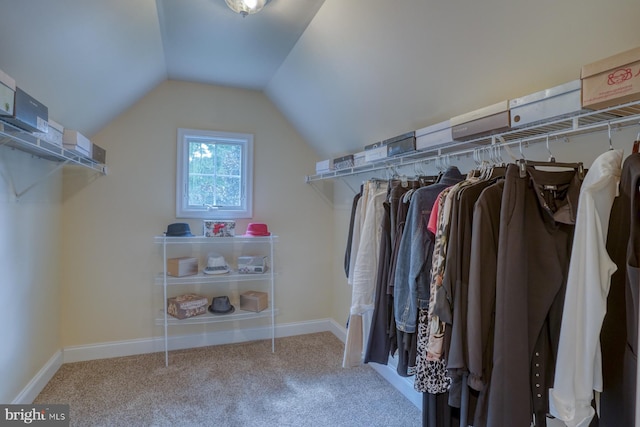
412,276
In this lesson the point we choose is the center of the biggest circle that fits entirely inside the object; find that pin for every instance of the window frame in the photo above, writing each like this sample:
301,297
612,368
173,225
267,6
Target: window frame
245,140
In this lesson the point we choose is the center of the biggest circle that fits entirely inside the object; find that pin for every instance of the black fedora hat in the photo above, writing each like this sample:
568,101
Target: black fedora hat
221,305
178,229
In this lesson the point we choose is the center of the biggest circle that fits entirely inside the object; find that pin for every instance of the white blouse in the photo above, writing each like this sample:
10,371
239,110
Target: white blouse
579,363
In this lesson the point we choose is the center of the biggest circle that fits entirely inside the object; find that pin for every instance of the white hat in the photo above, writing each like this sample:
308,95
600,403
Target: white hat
216,264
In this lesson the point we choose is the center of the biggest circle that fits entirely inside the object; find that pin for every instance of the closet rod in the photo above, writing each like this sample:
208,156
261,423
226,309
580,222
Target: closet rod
620,116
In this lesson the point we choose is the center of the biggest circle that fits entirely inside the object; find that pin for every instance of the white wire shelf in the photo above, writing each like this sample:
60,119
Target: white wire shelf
11,136
613,118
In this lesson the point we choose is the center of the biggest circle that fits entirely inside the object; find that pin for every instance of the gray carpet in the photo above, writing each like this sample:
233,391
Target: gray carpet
301,384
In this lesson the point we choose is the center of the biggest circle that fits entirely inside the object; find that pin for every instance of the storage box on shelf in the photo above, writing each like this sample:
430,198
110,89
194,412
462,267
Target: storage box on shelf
7,94
343,162
484,121
28,113
611,81
77,142
54,133
254,301
376,153
401,144
434,136
231,284
324,166
559,101
182,266
359,159
98,153
187,305
218,228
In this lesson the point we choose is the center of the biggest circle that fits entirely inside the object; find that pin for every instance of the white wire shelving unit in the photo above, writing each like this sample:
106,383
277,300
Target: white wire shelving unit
16,138
612,118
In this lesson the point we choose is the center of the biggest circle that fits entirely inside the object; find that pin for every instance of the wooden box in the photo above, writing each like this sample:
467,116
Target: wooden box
187,305
253,301
183,266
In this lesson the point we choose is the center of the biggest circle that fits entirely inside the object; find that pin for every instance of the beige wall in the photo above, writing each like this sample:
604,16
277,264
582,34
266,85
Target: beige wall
109,258
29,267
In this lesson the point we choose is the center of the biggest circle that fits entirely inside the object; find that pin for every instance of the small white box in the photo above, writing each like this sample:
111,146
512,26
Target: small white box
54,135
76,142
324,166
434,136
252,264
376,154
359,158
556,102
7,94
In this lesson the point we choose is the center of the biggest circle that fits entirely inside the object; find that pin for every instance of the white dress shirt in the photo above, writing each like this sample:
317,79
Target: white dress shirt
579,363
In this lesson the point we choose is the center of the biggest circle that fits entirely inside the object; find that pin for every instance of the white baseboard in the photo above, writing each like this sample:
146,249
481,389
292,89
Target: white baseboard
388,372
156,344
403,384
37,383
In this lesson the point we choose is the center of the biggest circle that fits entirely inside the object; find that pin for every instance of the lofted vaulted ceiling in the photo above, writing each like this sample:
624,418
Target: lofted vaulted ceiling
345,73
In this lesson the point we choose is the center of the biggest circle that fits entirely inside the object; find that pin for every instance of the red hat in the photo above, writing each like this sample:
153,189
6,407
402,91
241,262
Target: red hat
257,229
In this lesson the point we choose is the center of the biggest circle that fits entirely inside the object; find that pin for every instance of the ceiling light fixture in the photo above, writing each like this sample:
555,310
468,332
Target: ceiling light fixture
246,7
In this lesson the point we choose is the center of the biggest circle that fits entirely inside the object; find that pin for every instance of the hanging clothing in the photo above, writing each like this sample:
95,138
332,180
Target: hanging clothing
411,284
434,377
482,295
578,369
347,252
381,334
455,285
537,220
619,336
364,274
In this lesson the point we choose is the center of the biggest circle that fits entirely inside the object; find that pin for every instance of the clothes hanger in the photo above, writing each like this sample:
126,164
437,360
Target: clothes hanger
523,163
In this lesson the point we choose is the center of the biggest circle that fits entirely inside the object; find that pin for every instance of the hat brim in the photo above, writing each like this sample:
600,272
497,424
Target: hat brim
231,310
257,234
205,271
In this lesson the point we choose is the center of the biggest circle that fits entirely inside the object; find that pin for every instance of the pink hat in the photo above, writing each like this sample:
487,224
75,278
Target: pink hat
257,229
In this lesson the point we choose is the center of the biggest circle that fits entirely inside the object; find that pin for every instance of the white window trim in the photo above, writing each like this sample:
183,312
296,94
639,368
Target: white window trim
182,170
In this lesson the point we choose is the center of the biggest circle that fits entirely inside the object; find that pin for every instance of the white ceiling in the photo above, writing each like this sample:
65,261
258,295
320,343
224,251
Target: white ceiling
88,60
345,73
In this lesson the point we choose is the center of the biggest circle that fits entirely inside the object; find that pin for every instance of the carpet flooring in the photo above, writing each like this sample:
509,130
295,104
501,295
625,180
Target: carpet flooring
234,385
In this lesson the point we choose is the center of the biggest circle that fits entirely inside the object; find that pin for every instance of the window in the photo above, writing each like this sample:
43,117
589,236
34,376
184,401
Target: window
214,174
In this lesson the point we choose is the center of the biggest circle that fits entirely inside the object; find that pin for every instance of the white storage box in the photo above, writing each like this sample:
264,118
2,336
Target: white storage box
7,94
556,102
358,158
76,142
434,136
252,264
54,135
376,154
324,166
